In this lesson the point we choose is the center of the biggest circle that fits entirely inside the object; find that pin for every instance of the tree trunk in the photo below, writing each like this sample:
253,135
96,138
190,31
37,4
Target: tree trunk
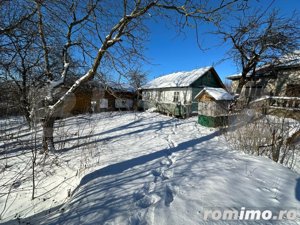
28,119
242,83
48,129
275,149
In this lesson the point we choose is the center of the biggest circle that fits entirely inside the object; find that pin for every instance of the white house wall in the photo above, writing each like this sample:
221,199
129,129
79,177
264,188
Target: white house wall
167,95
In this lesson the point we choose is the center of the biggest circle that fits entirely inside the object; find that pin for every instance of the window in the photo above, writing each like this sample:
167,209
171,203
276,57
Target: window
258,91
159,96
293,90
176,96
103,103
247,91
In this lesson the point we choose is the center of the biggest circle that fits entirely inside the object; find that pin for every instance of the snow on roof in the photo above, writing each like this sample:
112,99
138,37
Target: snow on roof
179,79
288,60
216,93
259,69
292,59
234,76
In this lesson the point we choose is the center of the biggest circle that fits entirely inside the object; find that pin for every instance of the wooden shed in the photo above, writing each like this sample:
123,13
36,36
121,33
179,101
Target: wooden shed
113,97
213,106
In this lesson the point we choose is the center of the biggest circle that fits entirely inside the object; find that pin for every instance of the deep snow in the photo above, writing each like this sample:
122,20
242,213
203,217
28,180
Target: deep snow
146,168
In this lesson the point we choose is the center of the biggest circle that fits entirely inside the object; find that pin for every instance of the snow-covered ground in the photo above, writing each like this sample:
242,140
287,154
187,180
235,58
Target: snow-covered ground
139,168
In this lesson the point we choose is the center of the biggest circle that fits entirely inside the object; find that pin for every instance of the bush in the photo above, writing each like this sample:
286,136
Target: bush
265,135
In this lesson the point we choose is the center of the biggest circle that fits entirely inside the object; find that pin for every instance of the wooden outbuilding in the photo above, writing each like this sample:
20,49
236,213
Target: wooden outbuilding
213,106
112,98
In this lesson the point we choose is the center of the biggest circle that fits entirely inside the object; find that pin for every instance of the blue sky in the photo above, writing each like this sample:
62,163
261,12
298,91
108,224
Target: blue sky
169,52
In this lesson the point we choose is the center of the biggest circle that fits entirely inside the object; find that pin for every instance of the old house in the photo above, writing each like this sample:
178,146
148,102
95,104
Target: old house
273,89
112,97
213,106
175,93
281,79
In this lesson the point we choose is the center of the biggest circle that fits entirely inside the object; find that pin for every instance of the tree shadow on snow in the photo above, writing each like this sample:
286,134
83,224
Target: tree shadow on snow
297,189
154,126
122,166
105,193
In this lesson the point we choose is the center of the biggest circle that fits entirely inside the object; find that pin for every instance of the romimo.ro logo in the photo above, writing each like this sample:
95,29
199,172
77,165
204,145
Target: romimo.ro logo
249,214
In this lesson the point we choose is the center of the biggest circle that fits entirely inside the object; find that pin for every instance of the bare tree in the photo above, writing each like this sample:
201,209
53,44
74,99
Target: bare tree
19,55
259,39
137,78
104,35
17,13
22,65
19,68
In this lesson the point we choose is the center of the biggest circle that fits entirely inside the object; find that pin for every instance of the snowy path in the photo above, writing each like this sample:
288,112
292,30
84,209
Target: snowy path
158,171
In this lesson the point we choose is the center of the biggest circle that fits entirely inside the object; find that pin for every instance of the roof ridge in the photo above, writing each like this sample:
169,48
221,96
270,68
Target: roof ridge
177,79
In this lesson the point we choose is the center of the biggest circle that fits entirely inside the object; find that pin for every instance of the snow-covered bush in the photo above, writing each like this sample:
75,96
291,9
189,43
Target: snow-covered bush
265,135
